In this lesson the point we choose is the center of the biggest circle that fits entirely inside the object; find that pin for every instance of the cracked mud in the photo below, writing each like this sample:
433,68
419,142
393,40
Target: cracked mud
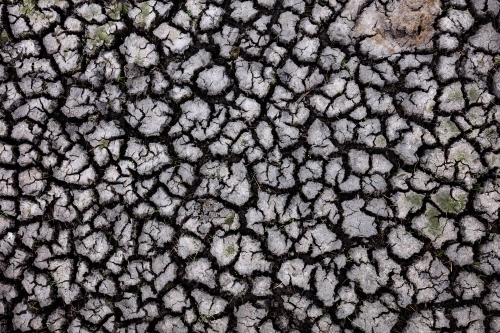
251,166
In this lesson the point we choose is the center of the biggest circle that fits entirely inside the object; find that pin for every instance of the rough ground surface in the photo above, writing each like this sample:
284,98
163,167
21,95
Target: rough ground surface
249,166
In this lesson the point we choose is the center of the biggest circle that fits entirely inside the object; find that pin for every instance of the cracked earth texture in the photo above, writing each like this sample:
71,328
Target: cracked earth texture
251,166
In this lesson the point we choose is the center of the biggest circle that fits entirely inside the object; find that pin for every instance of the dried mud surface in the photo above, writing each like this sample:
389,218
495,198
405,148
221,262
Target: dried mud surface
249,166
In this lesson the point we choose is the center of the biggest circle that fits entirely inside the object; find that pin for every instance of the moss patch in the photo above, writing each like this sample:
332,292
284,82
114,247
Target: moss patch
230,218
433,225
380,141
456,96
460,156
28,7
235,52
415,200
4,36
473,94
230,250
451,126
448,204
145,9
103,144
118,9
491,133
100,35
